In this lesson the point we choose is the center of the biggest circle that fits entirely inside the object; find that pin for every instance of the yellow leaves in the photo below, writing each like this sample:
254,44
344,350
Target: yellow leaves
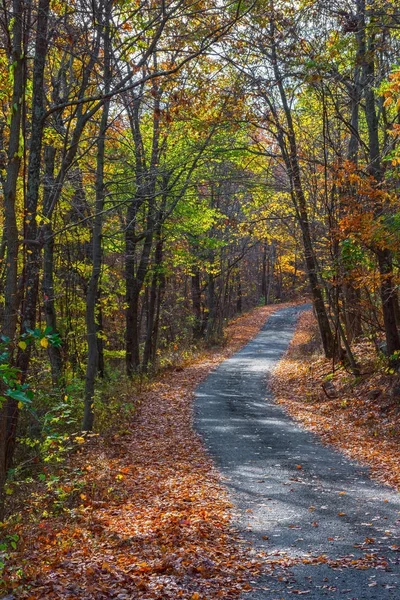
44,342
23,345
79,439
40,219
20,405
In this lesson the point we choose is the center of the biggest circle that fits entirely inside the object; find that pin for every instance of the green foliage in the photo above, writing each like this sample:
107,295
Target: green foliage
10,375
353,255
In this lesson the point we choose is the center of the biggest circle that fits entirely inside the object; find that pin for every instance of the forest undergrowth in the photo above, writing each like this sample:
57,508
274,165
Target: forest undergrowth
138,511
358,415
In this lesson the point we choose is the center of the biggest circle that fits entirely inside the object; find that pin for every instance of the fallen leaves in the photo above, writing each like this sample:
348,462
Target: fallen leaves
152,519
355,421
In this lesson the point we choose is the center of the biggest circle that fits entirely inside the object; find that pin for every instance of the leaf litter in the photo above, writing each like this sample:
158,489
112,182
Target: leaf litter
152,519
362,418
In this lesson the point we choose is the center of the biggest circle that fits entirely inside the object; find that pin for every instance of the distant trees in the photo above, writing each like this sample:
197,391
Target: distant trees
315,73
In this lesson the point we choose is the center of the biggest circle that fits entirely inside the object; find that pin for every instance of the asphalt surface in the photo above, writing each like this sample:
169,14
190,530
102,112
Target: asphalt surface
295,500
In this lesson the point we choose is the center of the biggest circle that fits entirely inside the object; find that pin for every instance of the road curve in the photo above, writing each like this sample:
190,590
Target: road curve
296,500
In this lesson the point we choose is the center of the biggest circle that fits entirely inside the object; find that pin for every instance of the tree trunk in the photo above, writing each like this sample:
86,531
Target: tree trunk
11,229
99,335
32,265
55,355
290,156
264,273
239,297
151,327
146,185
93,287
196,305
387,289
211,327
32,260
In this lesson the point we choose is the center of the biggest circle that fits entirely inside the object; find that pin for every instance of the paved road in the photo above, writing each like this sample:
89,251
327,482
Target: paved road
329,506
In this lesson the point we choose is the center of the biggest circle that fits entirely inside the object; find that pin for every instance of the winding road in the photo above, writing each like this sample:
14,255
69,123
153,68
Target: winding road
332,531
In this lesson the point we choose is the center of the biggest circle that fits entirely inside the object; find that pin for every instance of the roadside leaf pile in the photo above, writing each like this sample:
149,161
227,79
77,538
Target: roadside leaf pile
360,417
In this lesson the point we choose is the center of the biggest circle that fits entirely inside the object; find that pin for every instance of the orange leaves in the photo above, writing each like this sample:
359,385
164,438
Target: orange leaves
364,204
356,422
151,518
391,90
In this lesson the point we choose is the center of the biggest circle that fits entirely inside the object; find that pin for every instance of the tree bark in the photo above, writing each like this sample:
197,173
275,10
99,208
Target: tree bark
55,355
387,289
11,229
155,292
290,156
97,254
146,186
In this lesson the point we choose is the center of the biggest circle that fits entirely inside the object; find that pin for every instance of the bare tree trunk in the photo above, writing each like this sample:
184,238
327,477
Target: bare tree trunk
146,183
239,297
264,273
384,256
155,291
11,229
212,310
290,156
196,304
93,287
99,335
32,266
55,355
31,270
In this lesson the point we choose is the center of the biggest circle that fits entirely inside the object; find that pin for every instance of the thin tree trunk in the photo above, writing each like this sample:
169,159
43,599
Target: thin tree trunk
31,270
99,334
239,297
384,256
55,355
196,304
290,156
212,310
93,287
146,184
32,266
11,229
264,273
151,339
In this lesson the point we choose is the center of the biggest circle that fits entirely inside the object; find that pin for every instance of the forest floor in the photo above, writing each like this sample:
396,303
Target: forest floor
359,416
140,513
